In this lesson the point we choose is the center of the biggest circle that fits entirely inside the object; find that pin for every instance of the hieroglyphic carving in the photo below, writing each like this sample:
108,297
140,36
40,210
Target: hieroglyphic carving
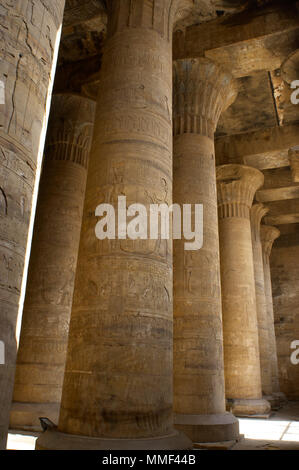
127,282
54,254
200,94
149,126
158,15
28,35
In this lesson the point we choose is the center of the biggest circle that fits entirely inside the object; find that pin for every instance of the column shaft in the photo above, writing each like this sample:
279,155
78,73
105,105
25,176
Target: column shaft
51,276
118,378
268,236
199,396
237,185
258,211
29,40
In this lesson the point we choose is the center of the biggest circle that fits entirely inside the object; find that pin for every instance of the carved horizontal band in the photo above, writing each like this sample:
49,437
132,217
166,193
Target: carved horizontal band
233,209
158,16
66,150
236,187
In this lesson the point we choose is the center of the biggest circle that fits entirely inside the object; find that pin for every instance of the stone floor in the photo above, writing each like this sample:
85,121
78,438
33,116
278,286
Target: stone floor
279,432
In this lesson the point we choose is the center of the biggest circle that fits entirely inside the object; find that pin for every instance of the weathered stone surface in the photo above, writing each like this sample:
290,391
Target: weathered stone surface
254,39
290,67
120,353
201,91
51,277
285,283
118,377
256,97
78,11
268,236
237,185
258,211
294,163
29,40
261,149
285,211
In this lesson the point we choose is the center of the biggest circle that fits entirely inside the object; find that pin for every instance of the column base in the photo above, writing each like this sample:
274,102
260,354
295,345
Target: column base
277,400
274,402
208,428
281,397
55,440
25,416
249,407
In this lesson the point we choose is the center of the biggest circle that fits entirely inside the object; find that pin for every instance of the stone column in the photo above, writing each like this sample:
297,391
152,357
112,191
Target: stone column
29,34
237,185
50,283
201,91
268,236
258,211
117,391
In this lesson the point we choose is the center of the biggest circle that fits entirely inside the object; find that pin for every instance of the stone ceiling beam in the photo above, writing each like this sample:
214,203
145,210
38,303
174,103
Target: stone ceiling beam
79,11
278,178
262,149
283,212
278,194
282,219
255,39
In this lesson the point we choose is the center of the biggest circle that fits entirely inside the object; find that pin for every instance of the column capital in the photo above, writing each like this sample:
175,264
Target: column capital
202,91
237,185
71,122
258,211
294,163
159,15
268,235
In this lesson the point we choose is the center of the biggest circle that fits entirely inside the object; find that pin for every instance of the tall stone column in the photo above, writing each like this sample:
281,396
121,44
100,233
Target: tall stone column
117,391
201,91
258,211
51,275
268,236
29,33
237,185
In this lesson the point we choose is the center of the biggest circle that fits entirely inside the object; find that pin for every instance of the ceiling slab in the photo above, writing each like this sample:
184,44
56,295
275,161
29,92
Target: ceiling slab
255,39
264,148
